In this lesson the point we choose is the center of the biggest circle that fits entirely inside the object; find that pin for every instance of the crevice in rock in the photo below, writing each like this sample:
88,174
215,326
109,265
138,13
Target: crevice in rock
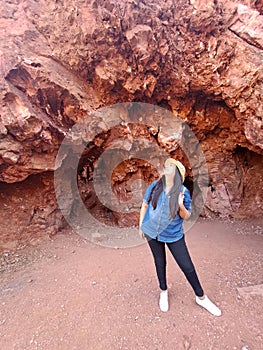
246,39
259,6
251,165
20,103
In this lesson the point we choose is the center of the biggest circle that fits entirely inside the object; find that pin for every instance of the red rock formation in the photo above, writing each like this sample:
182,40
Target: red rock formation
60,60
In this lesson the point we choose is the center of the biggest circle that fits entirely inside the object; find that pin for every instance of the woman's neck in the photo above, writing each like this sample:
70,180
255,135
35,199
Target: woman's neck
169,181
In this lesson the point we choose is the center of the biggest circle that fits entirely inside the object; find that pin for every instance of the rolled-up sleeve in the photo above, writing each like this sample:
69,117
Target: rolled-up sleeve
187,200
147,195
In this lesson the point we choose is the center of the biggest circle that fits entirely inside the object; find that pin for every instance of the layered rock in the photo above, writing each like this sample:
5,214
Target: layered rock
202,60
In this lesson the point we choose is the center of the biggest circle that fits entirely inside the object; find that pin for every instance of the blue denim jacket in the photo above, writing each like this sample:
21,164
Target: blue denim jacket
157,222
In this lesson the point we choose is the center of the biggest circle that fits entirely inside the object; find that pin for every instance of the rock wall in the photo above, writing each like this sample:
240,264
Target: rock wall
202,60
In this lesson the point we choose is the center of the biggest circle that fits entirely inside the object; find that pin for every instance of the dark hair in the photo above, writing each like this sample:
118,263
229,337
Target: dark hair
174,193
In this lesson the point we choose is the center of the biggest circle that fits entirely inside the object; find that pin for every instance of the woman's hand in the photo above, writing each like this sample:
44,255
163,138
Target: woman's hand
183,212
181,199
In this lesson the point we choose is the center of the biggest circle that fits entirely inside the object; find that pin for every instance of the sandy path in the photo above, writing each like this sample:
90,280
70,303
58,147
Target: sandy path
78,295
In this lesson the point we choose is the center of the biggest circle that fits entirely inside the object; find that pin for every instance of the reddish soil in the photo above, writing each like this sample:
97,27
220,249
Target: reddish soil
67,293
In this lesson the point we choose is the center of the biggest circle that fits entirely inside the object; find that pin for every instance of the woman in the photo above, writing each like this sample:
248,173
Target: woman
166,204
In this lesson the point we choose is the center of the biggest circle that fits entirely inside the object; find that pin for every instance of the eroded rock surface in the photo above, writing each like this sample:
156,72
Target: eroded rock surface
202,60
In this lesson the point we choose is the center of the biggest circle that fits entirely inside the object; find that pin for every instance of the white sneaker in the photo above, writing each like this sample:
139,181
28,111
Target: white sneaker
163,301
208,305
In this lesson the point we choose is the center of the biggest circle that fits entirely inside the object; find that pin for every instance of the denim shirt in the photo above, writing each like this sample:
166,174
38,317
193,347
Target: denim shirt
157,222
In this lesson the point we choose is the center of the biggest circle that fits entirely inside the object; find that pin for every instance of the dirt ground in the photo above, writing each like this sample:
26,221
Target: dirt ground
65,293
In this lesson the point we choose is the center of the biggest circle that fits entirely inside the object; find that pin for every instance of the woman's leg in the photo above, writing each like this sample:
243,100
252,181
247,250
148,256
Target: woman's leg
181,255
158,251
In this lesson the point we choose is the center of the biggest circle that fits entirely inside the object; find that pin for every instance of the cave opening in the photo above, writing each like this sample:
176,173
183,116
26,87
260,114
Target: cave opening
127,180
129,177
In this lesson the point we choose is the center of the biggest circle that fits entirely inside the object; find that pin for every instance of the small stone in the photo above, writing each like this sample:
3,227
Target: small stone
10,157
186,342
249,291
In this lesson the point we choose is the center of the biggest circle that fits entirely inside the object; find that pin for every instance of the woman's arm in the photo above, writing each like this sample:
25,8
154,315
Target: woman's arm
183,212
142,214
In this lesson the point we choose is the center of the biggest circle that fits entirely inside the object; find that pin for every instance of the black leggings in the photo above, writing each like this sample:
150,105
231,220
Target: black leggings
181,255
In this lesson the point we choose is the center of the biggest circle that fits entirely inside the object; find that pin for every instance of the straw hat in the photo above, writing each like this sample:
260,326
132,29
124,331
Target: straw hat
179,165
